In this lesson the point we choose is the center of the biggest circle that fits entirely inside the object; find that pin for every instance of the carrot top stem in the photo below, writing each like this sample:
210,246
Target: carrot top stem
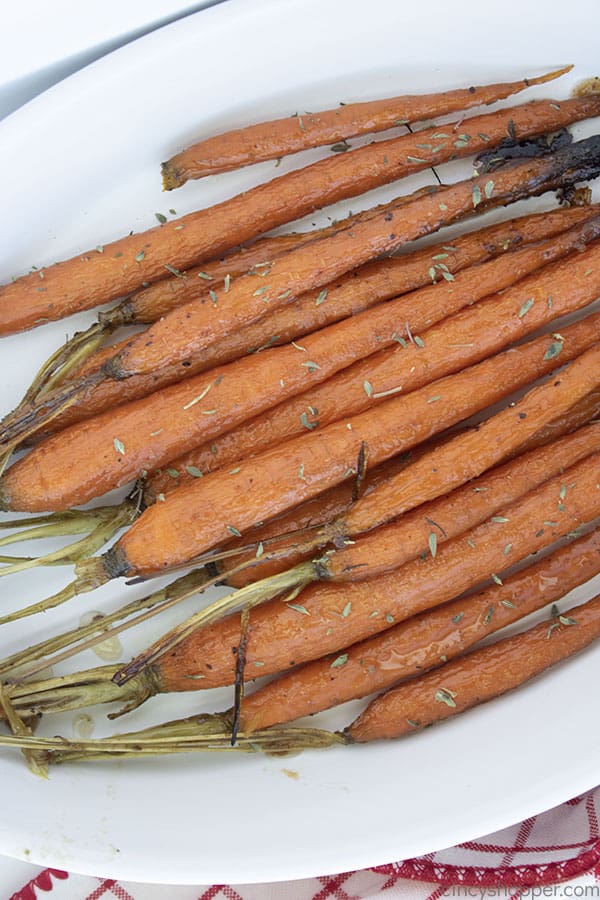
179,737
107,527
247,597
97,628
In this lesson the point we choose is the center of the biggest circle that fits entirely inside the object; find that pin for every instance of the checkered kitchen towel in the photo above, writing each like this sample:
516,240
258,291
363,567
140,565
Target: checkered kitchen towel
555,854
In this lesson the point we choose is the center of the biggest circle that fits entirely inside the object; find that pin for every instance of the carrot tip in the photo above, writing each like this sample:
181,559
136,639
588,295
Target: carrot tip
551,76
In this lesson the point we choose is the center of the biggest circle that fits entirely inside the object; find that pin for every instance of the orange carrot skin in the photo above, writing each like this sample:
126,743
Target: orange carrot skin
424,642
478,677
452,514
280,137
577,417
425,528
350,295
191,327
399,495
155,430
202,515
92,278
281,637
150,303
461,340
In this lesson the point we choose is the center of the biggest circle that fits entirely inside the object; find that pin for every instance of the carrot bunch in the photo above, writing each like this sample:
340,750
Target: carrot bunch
299,414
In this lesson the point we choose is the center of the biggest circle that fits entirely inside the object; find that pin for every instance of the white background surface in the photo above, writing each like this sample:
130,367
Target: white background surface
43,42
432,790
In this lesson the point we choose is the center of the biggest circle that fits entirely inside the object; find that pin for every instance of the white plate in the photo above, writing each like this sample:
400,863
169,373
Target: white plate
80,166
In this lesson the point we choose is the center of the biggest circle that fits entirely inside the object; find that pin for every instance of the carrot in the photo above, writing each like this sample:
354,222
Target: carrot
192,327
282,635
187,329
460,340
424,642
112,449
431,475
92,278
426,527
335,502
153,543
350,295
317,511
478,677
280,137
206,513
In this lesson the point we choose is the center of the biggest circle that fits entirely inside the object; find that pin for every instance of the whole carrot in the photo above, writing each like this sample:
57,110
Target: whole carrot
204,514
153,543
280,137
318,511
283,635
478,677
113,448
349,295
124,265
460,340
426,641
188,329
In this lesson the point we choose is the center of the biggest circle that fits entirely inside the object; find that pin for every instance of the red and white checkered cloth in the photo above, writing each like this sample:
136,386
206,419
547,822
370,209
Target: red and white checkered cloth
555,854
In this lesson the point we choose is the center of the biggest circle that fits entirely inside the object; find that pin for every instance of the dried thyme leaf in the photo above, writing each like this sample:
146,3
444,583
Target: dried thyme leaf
340,661
445,695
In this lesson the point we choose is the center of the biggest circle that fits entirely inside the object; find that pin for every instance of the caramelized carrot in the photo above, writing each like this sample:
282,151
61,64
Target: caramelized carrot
280,137
202,515
124,265
326,619
460,340
349,295
335,502
424,642
427,526
191,327
478,677
282,635
114,448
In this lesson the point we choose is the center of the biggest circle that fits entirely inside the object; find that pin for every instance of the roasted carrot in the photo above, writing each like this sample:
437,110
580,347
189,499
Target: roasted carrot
317,511
335,502
424,642
112,449
204,514
191,327
427,526
408,422
460,340
188,332
350,295
280,137
282,635
478,677
92,278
